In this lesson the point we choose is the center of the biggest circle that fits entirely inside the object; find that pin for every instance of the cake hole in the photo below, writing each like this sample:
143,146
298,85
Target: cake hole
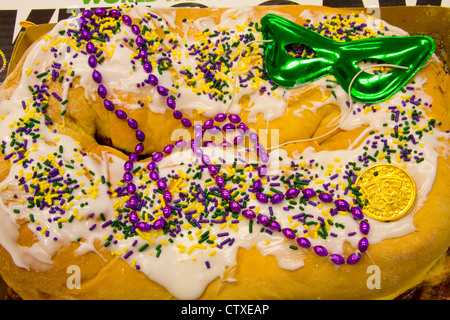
106,141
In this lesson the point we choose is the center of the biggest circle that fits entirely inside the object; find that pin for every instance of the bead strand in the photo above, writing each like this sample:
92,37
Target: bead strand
214,125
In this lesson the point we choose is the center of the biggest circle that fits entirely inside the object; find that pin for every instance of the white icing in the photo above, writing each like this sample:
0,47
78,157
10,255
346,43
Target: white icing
184,274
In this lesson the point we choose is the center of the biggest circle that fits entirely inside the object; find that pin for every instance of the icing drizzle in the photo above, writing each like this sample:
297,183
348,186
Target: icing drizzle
66,194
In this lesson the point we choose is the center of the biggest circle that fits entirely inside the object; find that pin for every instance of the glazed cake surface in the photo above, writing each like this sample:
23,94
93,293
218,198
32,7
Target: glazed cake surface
148,152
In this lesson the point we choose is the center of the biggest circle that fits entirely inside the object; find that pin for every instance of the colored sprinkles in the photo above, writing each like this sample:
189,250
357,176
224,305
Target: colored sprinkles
157,207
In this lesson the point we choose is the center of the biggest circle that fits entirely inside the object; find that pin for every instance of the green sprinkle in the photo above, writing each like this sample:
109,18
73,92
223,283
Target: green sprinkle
275,190
137,169
334,94
43,74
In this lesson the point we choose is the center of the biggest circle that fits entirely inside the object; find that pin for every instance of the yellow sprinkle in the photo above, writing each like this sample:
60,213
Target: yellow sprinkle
44,230
184,185
233,226
196,246
74,47
119,236
210,183
423,127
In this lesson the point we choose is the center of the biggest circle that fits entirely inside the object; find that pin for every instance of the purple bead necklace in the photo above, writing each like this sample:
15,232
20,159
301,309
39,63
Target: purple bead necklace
215,125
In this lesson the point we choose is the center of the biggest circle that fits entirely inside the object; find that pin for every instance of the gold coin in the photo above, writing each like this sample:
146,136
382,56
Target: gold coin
388,192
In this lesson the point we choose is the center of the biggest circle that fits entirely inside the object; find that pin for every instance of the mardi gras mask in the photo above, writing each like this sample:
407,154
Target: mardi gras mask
341,59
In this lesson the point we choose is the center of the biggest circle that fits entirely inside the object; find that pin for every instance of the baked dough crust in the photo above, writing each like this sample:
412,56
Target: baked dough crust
403,262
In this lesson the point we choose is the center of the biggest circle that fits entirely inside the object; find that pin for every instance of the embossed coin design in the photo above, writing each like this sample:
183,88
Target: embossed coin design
390,192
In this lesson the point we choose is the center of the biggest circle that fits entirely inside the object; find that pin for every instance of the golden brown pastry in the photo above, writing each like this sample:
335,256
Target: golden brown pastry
135,166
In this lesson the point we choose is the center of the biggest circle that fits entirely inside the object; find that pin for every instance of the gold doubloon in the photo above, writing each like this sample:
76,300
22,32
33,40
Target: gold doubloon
388,191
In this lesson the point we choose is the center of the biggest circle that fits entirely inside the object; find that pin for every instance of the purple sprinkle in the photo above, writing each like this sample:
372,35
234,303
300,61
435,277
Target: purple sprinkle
107,223
56,96
223,234
129,253
298,216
